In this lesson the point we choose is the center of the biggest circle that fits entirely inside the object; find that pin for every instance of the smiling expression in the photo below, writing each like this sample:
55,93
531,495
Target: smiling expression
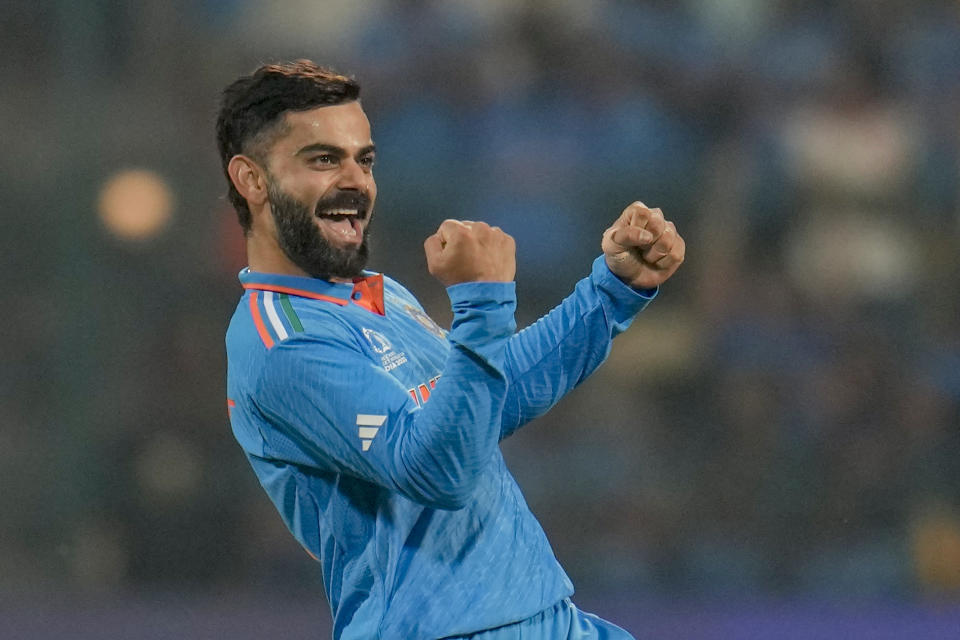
321,188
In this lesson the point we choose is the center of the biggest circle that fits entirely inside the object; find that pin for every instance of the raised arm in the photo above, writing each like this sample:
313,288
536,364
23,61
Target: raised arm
641,250
330,408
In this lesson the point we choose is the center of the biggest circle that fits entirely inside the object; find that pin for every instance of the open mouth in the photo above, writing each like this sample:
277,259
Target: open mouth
345,223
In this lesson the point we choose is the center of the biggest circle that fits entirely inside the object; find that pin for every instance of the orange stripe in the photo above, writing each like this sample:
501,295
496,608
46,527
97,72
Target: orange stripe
258,321
424,392
294,292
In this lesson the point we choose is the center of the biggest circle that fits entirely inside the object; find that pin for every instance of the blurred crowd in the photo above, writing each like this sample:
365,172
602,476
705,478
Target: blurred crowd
782,420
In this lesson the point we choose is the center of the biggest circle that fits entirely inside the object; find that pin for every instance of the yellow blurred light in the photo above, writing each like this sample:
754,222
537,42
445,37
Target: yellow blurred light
936,550
135,204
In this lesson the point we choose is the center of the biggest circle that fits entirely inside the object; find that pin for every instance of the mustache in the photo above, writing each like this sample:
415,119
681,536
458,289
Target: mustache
345,199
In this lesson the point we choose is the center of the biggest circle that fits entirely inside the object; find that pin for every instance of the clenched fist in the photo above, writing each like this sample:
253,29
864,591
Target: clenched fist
464,251
642,248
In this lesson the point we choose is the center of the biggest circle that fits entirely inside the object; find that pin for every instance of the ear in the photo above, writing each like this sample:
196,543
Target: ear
248,178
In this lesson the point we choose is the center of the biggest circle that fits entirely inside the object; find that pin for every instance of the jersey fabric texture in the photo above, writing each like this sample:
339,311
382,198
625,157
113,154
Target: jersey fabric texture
563,621
375,433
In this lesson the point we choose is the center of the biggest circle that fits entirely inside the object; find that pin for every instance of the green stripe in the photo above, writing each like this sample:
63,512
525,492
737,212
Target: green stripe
290,313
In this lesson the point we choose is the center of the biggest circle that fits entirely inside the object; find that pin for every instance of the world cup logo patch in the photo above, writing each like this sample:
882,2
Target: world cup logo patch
377,340
389,358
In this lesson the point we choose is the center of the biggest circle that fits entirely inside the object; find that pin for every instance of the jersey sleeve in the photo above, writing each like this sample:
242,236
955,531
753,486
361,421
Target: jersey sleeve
329,407
559,351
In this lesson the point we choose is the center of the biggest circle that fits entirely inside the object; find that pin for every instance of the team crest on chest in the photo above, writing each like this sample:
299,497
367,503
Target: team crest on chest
389,358
425,321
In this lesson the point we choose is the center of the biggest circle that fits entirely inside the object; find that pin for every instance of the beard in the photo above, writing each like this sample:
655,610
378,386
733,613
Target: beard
303,242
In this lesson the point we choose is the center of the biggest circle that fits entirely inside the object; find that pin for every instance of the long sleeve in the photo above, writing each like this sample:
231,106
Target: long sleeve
331,408
559,351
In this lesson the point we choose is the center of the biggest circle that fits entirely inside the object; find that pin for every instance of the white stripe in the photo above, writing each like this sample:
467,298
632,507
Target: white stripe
366,444
368,432
367,420
272,314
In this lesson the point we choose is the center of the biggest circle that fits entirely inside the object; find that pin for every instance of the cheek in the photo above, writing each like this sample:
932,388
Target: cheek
308,185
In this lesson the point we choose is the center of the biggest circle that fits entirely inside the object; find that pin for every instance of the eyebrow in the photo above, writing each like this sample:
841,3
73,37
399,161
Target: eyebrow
329,148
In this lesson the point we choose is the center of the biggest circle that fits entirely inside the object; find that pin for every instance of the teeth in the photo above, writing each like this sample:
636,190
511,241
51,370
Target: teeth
344,222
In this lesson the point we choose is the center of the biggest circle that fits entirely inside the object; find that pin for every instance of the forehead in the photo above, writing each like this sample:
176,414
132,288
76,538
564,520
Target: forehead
342,125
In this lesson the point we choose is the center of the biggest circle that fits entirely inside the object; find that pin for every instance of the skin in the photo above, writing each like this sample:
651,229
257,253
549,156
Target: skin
320,151
642,248
466,251
326,149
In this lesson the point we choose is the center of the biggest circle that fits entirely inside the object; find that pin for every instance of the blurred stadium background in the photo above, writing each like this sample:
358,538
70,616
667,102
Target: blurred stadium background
771,451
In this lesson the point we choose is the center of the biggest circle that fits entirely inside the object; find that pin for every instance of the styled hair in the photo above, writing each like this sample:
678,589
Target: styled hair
253,106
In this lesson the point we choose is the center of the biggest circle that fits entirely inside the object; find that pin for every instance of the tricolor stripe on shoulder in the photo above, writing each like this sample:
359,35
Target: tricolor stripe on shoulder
269,311
268,305
258,320
290,313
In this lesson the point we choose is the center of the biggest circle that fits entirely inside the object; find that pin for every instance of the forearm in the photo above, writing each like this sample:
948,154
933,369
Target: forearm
454,435
559,351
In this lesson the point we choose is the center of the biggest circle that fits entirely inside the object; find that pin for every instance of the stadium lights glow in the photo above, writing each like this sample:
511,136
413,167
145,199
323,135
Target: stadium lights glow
135,204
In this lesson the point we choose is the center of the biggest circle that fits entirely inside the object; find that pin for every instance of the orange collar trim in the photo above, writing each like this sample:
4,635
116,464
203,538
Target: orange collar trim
367,293
293,292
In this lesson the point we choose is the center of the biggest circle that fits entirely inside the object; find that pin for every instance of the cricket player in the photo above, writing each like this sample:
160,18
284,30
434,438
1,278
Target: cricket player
374,431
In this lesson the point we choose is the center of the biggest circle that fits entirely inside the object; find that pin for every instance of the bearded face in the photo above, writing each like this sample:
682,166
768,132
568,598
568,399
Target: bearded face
329,241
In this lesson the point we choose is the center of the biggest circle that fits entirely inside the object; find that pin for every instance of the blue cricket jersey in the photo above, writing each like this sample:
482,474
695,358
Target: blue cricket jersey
376,433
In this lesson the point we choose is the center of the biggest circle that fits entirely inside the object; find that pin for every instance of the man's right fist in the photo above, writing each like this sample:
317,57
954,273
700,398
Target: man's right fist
464,251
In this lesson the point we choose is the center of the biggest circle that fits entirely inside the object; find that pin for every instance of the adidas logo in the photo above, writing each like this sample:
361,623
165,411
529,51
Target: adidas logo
367,428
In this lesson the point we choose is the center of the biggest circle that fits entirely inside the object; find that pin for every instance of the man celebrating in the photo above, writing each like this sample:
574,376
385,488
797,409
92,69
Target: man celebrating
374,431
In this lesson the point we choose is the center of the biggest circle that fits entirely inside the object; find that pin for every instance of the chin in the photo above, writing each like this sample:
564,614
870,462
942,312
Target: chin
348,246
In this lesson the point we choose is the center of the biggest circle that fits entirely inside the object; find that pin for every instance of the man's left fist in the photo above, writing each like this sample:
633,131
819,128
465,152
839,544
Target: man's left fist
642,248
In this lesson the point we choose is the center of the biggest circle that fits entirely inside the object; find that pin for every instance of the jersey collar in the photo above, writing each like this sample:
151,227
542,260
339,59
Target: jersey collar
366,291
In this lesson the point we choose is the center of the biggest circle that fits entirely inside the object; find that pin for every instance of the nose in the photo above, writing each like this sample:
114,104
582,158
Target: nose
352,175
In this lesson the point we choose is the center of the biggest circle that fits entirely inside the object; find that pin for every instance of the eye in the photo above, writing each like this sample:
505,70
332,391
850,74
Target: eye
366,162
324,160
